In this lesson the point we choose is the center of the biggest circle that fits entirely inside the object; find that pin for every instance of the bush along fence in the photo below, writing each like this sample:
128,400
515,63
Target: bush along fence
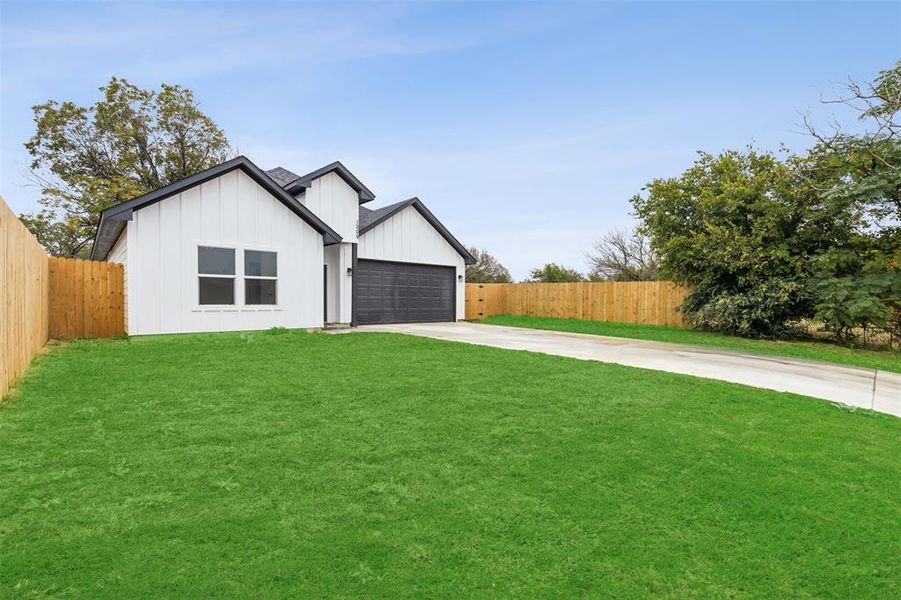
42,297
645,302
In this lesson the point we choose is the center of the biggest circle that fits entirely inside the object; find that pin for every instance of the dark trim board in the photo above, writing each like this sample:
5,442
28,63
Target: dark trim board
402,292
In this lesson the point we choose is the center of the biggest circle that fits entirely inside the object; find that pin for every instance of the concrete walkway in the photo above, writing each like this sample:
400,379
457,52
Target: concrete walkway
854,386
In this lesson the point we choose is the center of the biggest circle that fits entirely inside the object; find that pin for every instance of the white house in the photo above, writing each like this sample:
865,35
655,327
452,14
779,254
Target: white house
235,247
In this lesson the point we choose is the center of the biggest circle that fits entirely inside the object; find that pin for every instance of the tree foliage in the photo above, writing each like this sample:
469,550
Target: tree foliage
732,229
622,256
487,268
85,159
554,273
763,242
858,284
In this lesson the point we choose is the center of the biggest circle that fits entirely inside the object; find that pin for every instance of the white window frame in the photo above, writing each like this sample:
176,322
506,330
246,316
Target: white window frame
198,275
245,277
240,294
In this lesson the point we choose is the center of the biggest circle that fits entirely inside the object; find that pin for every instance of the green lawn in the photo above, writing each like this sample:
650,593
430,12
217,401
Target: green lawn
886,360
377,465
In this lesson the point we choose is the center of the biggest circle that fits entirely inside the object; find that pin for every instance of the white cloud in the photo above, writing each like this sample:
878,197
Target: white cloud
198,42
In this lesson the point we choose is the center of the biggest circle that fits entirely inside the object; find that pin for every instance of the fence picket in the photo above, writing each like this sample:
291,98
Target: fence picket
43,297
87,298
24,297
646,302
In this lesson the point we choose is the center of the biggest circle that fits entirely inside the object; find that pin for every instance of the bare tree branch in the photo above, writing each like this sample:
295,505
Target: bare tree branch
622,256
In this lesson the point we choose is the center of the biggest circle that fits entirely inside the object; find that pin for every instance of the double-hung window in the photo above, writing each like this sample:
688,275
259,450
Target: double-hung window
216,275
260,277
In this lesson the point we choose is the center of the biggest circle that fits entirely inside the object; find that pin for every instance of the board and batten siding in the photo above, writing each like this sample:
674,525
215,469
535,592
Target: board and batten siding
408,237
336,203
230,211
119,254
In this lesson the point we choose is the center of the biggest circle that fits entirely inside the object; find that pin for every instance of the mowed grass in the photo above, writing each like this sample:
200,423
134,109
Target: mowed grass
377,465
887,360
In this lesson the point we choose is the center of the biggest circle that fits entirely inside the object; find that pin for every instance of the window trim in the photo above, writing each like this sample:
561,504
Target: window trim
240,304
198,275
262,277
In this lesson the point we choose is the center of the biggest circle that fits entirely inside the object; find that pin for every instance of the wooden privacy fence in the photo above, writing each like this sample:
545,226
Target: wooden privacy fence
24,298
86,298
43,297
646,302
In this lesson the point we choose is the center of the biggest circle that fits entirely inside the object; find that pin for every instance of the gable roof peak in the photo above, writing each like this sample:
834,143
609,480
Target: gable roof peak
370,218
301,183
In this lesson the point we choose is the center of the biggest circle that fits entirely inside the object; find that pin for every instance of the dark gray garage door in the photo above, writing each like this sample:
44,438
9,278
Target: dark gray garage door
392,292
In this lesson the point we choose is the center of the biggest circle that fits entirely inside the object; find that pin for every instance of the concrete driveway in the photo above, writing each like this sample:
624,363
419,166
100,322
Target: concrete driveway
854,386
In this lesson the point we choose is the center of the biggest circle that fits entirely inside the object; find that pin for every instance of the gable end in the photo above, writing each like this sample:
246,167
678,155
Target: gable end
113,219
372,218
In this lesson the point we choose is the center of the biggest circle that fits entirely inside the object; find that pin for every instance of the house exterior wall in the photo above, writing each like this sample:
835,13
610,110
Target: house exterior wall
408,237
119,254
332,200
231,211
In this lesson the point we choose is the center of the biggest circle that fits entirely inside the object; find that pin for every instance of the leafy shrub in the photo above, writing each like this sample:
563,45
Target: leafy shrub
854,291
763,310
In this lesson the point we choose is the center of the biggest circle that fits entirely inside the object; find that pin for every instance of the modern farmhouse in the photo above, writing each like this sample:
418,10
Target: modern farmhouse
235,247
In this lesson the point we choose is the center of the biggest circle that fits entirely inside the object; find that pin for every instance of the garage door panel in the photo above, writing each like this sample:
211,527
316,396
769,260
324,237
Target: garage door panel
393,292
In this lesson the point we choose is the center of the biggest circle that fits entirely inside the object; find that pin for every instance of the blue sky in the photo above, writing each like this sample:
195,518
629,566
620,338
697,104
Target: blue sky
525,127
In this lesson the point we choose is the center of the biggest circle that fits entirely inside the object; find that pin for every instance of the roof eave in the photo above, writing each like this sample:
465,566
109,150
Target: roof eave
111,234
297,186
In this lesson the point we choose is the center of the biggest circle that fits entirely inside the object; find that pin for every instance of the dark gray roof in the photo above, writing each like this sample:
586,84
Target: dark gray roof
371,218
113,219
282,176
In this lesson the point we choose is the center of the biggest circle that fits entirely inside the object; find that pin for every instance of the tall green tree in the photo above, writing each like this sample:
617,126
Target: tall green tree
858,284
487,268
131,141
554,273
763,242
737,229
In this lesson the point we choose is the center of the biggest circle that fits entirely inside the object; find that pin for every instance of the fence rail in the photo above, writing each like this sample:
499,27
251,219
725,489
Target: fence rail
646,302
